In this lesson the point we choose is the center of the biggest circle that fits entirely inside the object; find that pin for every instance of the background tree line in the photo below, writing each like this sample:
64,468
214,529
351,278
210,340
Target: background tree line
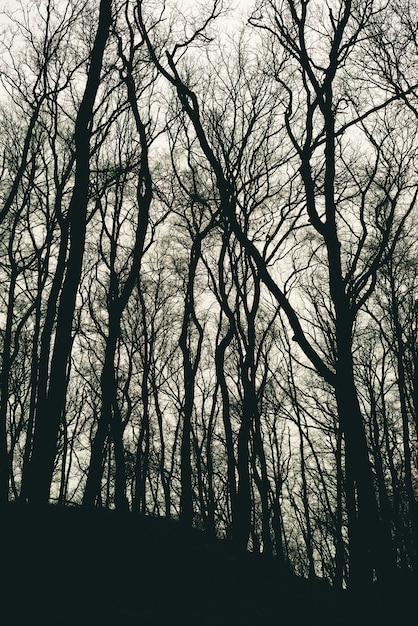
208,269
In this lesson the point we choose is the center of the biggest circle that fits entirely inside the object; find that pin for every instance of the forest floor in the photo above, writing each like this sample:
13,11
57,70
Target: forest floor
64,567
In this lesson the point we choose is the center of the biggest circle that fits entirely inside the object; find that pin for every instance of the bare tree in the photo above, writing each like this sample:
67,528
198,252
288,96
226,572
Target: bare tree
49,412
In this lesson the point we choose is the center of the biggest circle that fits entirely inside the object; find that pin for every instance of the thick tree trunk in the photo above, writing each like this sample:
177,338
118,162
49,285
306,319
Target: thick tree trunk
41,373
242,523
339,540
49,413
369,549
6,363
186,496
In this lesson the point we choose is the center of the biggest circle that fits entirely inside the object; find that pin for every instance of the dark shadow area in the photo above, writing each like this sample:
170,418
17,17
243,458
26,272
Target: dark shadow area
74,567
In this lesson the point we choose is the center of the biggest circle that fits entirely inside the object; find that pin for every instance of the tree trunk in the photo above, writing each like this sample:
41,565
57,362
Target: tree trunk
49,413
4,389
369,553
242,524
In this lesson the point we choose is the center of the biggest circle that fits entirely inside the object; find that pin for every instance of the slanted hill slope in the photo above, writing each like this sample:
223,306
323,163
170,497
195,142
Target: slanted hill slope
71,567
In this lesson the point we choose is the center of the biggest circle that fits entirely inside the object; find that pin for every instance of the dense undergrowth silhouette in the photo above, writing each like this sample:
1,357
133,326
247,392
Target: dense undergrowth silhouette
70,566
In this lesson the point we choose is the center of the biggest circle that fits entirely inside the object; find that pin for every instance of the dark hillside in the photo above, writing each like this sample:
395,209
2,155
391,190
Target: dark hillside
69,567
